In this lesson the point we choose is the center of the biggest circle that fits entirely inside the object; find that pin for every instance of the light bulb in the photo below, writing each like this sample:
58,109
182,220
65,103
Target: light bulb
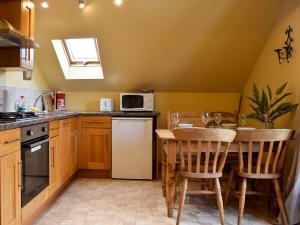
82,4
44,4
118,2
30,4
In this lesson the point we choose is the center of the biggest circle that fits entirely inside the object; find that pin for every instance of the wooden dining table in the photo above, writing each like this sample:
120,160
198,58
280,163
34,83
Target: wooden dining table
169,154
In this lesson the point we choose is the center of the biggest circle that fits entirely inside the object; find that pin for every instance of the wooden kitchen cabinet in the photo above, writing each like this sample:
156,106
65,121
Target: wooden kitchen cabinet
21,16
64,150
10,177
53,157
74,151
96,143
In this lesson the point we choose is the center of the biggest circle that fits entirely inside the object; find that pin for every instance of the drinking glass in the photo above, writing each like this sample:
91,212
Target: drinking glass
205,118
218,118
242,120
175,119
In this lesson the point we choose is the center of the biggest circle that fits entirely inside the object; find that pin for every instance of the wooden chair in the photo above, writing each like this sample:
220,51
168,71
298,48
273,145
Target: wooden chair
268,163
208,148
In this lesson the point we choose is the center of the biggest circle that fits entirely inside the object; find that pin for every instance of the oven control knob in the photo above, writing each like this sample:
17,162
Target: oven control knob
29,133
44,129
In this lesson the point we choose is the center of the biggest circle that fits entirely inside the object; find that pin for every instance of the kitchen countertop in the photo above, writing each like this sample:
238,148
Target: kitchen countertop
64,115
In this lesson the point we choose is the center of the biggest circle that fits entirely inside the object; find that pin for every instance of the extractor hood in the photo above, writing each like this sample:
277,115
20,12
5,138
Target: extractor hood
11,37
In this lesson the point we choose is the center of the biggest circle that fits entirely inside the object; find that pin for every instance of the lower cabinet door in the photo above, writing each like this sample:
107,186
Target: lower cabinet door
64,150
96,148
10,186
74,151
54,168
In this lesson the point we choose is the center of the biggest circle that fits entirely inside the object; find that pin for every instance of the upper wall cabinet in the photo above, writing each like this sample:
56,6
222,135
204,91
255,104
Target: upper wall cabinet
20,15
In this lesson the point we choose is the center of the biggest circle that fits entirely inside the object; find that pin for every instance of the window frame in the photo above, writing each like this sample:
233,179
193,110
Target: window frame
81,63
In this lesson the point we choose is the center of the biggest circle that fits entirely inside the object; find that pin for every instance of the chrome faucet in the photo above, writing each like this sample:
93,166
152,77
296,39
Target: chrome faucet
47,93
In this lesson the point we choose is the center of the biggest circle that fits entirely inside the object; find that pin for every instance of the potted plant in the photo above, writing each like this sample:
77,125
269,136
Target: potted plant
267,107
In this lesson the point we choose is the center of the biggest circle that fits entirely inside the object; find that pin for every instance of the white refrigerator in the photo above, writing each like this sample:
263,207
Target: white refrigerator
132,148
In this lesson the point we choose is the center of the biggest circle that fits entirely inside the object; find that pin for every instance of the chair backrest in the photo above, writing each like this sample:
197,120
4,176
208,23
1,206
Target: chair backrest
195,118
205,148
271,146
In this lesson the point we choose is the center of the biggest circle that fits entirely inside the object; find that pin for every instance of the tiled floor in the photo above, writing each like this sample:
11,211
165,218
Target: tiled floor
117,202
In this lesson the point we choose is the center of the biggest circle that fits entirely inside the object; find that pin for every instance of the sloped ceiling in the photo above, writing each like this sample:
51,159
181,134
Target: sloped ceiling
166,45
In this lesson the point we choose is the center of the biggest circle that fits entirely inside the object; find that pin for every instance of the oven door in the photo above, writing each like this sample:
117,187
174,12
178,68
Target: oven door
35,169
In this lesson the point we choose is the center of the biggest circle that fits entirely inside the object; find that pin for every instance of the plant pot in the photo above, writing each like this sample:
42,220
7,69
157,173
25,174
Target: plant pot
267,125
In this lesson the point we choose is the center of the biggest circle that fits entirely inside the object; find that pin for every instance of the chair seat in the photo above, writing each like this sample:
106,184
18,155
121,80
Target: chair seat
201,175
259,176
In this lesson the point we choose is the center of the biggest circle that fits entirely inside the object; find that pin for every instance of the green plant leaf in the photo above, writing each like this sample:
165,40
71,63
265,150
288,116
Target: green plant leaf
264,102
255,92
256,110
255,116
270,92
282,109
281,88
287,109
256,102
281,98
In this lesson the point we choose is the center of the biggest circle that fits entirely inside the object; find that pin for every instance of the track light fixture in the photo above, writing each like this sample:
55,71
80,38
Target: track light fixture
118,2
44,4
81,4
30,4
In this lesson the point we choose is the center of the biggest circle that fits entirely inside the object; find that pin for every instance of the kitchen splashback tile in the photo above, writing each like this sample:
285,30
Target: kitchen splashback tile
11,94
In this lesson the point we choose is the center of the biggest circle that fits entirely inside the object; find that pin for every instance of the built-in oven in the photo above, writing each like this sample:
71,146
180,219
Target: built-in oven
35,161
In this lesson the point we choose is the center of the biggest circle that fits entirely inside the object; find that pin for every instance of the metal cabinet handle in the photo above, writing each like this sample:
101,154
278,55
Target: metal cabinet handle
95,121
12,140
20,180
53,157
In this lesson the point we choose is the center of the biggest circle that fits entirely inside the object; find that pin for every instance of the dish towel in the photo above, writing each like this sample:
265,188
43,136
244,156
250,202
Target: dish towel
292,189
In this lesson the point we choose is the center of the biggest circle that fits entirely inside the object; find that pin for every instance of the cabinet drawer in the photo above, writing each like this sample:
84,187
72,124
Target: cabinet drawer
10,141
64,123
96,122
54,125
53,128
74,123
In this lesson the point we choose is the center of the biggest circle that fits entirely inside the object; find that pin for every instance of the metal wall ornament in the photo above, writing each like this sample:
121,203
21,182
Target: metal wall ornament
285,53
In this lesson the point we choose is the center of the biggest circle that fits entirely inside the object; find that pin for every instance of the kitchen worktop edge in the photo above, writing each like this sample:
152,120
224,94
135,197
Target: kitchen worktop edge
64,115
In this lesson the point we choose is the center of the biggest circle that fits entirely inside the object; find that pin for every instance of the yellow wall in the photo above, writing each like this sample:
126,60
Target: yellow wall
267,69
15,78
164,101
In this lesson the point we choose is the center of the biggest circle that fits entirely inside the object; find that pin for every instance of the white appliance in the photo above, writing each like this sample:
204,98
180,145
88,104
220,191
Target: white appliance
106,105
132,148
136,101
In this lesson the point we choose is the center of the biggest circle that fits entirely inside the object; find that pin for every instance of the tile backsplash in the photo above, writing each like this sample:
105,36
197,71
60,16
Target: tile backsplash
9,94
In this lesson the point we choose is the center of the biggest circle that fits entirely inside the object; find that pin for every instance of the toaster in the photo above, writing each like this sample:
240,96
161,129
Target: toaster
106,105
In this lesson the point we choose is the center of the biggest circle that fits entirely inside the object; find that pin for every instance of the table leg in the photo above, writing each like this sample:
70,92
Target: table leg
163,170
170,176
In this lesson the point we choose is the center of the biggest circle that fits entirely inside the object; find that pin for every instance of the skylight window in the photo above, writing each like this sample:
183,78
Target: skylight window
79,58
82,50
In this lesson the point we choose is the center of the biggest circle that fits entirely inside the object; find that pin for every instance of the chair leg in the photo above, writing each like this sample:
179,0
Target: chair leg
242,200
280,202
219,200
181,200
228,187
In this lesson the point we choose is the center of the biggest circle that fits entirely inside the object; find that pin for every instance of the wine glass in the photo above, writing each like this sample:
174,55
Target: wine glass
242,120
218,118
175,119
205,118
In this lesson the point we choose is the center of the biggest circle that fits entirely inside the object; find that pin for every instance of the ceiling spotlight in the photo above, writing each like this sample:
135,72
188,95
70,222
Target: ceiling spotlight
30,4
118,2
44,4
81,4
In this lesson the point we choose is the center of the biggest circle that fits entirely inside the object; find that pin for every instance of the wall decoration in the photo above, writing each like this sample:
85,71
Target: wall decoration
285,53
